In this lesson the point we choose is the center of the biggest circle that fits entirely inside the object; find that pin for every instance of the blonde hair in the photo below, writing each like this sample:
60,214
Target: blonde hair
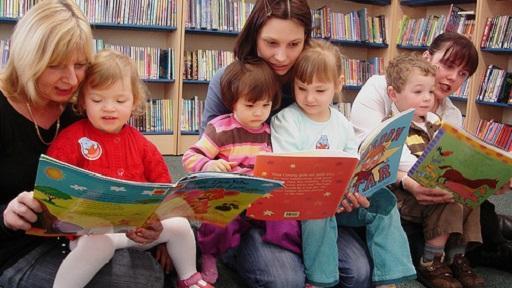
400,68
49,34
108,67
320,60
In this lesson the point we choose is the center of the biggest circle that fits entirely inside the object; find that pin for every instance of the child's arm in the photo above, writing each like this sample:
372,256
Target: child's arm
155,169
199,156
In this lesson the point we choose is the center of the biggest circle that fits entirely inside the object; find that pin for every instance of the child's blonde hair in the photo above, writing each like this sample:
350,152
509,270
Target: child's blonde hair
400,68
108,67
49,34
320,60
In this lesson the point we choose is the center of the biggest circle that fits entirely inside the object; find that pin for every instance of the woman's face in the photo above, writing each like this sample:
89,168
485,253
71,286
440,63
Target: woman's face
59,82
449,76
279,43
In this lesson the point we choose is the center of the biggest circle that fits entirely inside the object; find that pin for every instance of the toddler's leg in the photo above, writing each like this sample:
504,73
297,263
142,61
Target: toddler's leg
319,247
90,254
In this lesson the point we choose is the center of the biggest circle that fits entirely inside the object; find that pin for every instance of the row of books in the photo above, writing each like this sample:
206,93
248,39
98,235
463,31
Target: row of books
463,90
191,114
157,117
495,133
496,86
4,52
356,71
497,32
152,63
352,26
224,15
421,31
136,12
202,64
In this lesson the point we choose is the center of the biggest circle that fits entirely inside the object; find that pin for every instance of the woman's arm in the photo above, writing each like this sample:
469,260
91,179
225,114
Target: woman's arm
213,105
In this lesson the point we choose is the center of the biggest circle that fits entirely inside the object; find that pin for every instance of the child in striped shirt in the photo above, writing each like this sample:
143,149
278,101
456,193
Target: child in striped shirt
231,142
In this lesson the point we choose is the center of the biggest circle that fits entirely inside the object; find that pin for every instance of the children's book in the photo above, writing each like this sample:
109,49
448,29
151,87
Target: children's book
76,201
463,164
316,181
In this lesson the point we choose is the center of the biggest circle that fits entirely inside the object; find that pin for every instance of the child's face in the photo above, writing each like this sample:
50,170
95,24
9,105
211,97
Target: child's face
108,109
252,115
314,99
417,93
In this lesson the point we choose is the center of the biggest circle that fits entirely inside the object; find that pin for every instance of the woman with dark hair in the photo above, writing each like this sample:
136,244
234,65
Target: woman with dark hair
269,252
456,59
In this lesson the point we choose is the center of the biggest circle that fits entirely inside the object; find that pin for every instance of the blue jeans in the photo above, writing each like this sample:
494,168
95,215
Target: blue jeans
384,236
127,269
261,264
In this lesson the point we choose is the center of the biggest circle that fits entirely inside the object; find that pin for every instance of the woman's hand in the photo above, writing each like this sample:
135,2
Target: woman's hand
147,233
162,257
219,165
426,196
21,212
505,188
353,201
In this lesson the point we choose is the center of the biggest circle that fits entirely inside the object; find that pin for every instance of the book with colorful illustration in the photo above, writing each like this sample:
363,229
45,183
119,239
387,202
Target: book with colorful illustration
76,201
463,164
316,181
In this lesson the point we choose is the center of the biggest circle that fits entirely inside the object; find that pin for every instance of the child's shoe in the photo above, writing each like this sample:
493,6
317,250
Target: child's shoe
463,272
194,281
436,274
209,268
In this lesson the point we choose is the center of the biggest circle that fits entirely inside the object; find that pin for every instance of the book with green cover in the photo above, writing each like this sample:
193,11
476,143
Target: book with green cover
76,201
463,164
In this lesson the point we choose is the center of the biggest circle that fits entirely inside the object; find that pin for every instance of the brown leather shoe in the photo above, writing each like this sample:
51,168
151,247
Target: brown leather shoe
436,274
463,272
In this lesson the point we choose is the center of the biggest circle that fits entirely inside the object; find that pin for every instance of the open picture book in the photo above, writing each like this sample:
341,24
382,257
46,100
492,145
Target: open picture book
76,201
463,164
315,182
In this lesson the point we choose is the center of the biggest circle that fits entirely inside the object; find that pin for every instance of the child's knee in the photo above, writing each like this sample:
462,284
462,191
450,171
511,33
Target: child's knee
177,226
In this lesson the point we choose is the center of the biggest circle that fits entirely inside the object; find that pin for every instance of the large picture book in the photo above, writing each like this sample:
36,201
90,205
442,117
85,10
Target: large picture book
76,201
463,164
316,181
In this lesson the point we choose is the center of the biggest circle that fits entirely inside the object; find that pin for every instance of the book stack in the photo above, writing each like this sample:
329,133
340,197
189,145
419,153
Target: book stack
191,114
357,71
157,117
496,86
202,64
497,32
221,15
495,133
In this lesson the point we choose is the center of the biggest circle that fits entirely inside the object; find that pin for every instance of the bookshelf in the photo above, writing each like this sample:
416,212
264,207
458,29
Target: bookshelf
184,37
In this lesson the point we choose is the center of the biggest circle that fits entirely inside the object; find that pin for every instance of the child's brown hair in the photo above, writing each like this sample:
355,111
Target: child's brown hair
320,59
108,67
253,80
400,68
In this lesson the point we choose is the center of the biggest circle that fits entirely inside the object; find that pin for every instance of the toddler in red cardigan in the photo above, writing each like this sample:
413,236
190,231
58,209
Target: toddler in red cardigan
104,143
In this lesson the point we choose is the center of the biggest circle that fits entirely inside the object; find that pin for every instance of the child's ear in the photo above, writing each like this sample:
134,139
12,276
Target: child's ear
392,94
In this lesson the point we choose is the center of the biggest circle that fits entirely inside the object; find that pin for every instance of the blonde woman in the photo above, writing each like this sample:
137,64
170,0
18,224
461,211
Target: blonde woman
50,51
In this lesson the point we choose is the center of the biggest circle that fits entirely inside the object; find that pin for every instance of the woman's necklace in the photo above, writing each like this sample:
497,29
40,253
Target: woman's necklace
37,127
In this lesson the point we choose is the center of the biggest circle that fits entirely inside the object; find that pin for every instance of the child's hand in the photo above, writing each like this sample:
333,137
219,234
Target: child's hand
219,165
426,196
162,257
353,201
148,233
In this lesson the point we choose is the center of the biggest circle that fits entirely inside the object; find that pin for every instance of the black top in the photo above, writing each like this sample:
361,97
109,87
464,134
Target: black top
20,148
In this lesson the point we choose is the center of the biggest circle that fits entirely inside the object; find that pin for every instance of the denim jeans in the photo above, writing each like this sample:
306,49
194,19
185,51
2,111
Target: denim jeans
261,264
129,268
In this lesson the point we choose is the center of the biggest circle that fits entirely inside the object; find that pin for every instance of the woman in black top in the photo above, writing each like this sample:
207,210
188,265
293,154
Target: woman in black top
50,49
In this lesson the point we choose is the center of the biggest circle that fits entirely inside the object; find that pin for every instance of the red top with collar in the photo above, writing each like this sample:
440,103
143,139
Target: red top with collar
127,155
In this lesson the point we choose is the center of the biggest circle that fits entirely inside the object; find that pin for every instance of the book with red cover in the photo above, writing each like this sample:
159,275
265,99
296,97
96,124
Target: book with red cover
316,181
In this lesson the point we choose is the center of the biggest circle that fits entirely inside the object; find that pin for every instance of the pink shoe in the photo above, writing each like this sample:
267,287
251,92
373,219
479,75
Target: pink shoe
194,281
209,268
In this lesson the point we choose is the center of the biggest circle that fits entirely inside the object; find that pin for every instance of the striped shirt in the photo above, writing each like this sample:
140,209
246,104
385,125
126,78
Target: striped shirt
225,138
